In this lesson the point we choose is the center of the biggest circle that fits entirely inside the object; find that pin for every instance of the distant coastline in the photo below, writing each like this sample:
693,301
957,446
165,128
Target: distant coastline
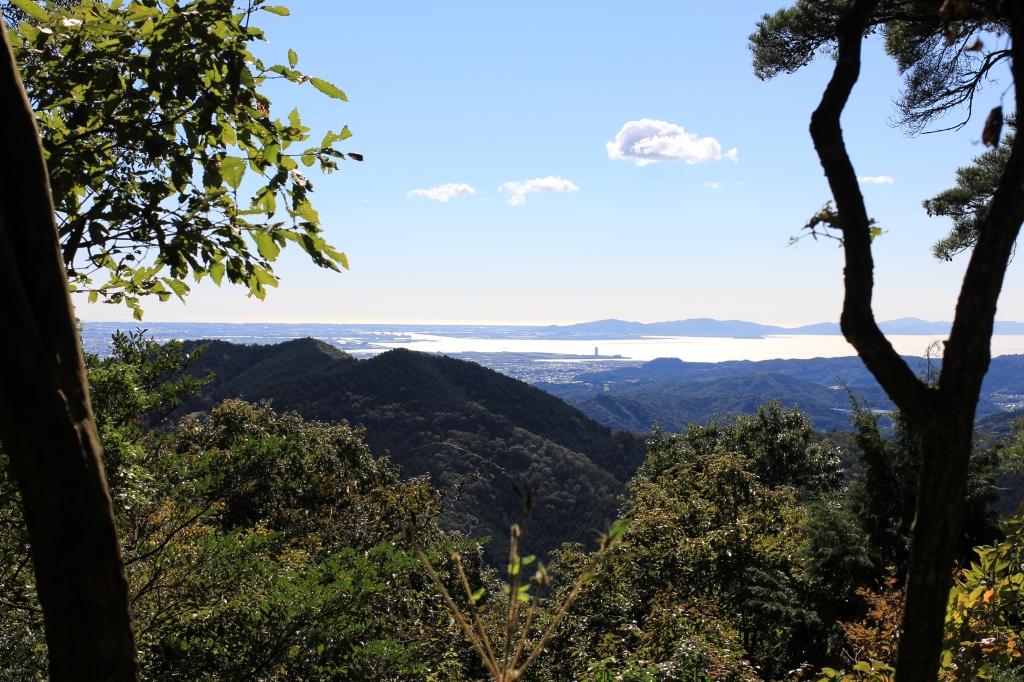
598,329
696,340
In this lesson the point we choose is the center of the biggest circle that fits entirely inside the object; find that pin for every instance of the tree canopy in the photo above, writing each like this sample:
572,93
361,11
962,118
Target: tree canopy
945,50
257,545
166,161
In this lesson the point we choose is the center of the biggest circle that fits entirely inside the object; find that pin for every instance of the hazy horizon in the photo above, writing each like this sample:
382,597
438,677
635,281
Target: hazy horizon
127,319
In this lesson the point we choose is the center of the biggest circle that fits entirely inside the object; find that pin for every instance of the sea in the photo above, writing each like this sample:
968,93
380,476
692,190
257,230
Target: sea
369,340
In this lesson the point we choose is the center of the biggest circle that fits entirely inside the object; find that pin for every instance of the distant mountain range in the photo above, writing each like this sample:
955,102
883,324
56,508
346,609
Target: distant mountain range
615,329
673,393
476,433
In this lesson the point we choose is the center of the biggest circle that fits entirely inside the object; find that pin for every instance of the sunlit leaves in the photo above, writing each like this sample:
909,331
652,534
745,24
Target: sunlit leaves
32,9
328,89
232,169
170,159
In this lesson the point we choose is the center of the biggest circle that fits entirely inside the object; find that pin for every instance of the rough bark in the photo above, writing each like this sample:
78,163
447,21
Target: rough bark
943,415
46,422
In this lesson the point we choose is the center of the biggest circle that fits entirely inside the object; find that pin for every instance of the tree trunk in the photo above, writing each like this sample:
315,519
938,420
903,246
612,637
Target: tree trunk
942,415
934,542
46,423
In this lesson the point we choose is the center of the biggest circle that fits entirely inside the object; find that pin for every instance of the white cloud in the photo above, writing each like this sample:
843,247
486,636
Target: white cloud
649,141
443,193
711,184
519,189
876,179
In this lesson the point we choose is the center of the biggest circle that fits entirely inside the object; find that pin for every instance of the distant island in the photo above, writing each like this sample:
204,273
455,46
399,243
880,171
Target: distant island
704,326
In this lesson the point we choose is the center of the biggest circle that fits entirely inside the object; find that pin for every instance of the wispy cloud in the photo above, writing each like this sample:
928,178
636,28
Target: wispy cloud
443,193
711,184
649,141
520,188
876,179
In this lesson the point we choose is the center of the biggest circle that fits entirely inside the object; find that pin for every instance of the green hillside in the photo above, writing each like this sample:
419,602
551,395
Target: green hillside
480,436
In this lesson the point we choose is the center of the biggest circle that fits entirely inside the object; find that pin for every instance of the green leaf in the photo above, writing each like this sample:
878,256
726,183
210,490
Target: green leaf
293,58
133,303
271,153
278,10
476,596
336,255
227,134
524,592
265,202
217,273
329,89
306,211
266,245
232,169
345,133
31,9
177,286
264,276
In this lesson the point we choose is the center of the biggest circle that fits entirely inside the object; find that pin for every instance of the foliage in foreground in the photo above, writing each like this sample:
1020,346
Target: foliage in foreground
708,581
257,545
171,163
505,641
984,633
263,546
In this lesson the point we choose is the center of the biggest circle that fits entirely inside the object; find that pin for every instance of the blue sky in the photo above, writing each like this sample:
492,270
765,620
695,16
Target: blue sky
484,94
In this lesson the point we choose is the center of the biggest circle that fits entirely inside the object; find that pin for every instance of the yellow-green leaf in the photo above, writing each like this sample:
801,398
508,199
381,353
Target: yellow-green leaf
278,10
232,169
266,245
264,277
217,273
265,202
177,286
293,58
306,211
32,9
329,89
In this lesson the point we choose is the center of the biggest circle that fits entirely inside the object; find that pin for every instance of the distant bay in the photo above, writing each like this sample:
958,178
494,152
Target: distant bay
689,348
367,340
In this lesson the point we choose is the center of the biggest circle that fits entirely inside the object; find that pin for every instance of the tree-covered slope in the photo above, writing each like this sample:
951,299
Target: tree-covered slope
673,393
479,434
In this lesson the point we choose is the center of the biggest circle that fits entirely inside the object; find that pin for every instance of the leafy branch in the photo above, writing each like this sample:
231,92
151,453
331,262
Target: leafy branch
508,655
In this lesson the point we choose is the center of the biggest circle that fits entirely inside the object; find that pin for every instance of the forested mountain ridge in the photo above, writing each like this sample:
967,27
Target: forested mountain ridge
673,392
478,434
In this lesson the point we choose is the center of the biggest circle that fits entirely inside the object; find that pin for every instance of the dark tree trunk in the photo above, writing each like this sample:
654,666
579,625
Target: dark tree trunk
46,423
942,415
933,546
